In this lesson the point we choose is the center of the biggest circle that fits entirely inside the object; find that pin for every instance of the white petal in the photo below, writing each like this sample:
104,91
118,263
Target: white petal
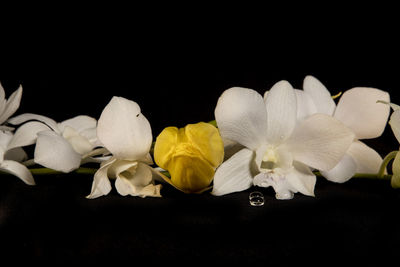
12,105
27,134
235,174
305,105
358,109
137,182
5,139
18,170
395,124
101,184
123,129
34,117
16,154
78,123
281,112
366,158
79,143
301,179
282,188
343,171
54,152
6,128
320,141
320,95
242,117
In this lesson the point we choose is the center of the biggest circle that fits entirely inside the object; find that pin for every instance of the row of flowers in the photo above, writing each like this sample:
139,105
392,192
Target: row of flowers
278,140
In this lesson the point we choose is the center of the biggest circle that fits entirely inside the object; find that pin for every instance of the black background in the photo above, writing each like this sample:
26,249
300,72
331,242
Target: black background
176,65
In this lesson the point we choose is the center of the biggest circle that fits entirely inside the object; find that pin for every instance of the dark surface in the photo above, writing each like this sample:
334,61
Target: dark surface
352,222
176,68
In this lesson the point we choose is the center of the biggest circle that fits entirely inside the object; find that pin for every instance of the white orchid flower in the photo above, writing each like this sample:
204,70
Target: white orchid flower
277,153
359,111
9,106
10,159
126,133
59,146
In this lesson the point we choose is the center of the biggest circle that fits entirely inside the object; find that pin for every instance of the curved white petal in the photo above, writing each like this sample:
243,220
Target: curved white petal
242,117
123,129
34,117
78,123
54,152
395,124
343,171
27,134
137,182
366,158
320,141
101,184
18,170
5,139
358,109
302,179
12,105
235,174
79,143
281,112
319,94
283,190
16,154
305,105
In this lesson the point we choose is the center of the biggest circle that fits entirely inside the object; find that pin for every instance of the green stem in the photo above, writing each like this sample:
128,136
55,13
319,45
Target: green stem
364,175
385,162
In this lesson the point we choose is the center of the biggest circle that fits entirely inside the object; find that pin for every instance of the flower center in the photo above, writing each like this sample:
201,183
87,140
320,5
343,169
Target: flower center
269,160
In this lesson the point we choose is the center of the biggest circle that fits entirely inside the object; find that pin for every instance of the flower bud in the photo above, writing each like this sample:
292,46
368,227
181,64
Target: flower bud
190,154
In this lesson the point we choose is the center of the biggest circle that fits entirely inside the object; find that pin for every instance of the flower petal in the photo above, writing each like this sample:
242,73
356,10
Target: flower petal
27,134
54,152
78,123
395,181
235,174
319,94
136,181
242,117
206,138
12,105
320,141
305,105
79,143
343,171
281,112
101,185
19,170
16,154
366,158
302,179
395,124
34,117
358,109
123,129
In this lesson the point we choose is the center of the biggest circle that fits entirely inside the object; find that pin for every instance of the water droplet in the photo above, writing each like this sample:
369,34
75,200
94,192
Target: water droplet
256,199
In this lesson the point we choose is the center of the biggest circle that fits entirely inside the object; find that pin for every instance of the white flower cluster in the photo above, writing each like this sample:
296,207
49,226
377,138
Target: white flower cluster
283,137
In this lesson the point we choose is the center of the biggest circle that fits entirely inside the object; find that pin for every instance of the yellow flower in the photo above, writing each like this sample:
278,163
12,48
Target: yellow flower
190,154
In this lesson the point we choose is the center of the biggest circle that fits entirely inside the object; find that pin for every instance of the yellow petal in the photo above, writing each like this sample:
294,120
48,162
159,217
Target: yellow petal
165,146
190,154
190,174
206,138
